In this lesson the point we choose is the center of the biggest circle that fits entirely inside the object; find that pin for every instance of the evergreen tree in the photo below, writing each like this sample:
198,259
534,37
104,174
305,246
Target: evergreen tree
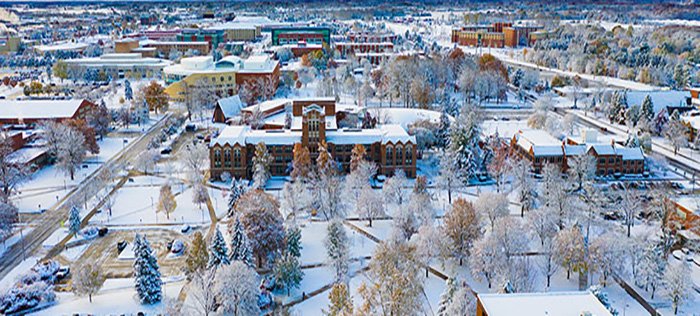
442,134
648,108
238,187
240,246
337,249
128,92
294,241
287,272
146,272
218,250
74,220
680,76
464,142
446,297
198,256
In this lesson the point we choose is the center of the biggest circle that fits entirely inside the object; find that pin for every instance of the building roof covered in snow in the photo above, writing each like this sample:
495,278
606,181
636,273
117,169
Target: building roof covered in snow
540,142
243,135
40,109
230,106
538,304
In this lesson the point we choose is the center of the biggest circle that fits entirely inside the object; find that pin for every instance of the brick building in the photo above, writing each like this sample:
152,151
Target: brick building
353,48
294,35
496,35
34,111
313,122
540,149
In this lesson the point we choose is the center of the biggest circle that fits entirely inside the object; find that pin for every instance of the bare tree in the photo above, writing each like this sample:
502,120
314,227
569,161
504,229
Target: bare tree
13,170
71,151
88,279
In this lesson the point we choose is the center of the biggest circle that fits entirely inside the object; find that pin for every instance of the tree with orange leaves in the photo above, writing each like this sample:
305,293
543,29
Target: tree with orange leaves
88,132
301,163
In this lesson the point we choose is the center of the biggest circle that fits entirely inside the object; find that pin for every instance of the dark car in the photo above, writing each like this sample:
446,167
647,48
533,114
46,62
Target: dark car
166,151
102,231
190,127
122,245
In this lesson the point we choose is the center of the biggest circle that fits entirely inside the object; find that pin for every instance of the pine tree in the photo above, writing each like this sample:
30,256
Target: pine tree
240,246
287,272
128,92
446,297
680,76
294,241
218,250
464,142
442,134
238,187
648,108
146,272
198,256
74,220
337,249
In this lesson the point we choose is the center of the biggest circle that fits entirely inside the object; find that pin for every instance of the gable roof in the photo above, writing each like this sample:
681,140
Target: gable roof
39,109
230,106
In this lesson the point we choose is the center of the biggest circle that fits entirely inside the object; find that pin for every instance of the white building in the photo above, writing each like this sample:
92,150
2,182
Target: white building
117,66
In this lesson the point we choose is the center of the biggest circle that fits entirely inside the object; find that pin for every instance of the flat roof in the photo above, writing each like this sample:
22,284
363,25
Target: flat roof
538,304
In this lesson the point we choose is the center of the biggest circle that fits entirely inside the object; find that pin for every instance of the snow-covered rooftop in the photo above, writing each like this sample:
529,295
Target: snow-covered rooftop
230,106
538,304
39,109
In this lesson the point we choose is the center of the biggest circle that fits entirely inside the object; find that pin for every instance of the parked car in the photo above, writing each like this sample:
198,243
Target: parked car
177,247
190,128
185,229
62,272
102,231
166,151
121,245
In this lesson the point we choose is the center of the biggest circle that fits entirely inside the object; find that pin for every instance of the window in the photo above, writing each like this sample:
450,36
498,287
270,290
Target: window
236,157
611,160
217,158
389,155
399,155
409,155
227,158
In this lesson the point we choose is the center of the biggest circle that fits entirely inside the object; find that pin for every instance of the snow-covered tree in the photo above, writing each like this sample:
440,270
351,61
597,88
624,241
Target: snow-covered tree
202,294
605,252
238,188
357,156
88,279
337,249
8,217
295,200
394,188
198,256
370,204
263,223
128,92
293,241
240,246
648,108
675,132
442,134
678,285
524,185
146,272
218,252
71,151
491,206
555,194
457,299
603,298
465,133
166,200
301,165
237,288
652,268
340,301
394,286
287,272
74,220
461,226
12,171
570,249
542,224
451,176
582,169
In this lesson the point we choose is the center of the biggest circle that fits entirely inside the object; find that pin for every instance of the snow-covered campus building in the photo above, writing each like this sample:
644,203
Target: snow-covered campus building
540,148
313,121
531,304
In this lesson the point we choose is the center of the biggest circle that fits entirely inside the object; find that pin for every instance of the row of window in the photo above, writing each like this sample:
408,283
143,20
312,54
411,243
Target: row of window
227,158
397,159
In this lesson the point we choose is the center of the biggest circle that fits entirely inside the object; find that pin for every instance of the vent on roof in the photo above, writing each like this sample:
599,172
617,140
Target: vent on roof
353,130
271,131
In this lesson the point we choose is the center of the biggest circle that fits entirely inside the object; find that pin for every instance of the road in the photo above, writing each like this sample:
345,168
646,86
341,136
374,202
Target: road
53,217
